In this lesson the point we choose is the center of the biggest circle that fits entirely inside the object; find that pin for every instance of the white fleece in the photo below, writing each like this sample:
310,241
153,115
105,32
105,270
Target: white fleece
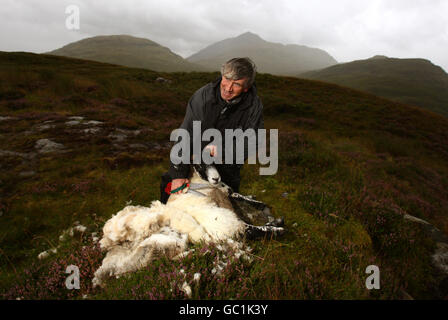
136,235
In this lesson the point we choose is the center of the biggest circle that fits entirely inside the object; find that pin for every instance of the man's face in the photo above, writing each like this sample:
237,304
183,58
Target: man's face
232,88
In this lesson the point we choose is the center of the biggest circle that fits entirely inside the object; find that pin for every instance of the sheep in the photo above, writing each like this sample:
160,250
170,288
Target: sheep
202,213
207,178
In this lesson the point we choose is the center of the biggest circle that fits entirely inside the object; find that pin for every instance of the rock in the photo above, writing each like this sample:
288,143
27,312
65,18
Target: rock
436,234
128,132
118,137
440,255
94,123
163,80
5,153
76,118
7,118
122,134
415,219
45,127
27,174
157,146
91,130
72,123
47,146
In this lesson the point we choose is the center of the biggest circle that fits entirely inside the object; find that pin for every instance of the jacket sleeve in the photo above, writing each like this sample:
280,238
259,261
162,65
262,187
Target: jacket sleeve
256,120
194,112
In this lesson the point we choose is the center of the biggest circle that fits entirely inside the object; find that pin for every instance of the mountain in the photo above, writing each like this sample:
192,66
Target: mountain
274,58
82,139
411,81
127,51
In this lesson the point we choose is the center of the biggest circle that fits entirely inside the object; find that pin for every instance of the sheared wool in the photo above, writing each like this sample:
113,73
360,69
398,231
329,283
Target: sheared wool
136,235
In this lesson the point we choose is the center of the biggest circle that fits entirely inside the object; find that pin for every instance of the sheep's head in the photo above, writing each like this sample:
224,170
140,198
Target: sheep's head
208,172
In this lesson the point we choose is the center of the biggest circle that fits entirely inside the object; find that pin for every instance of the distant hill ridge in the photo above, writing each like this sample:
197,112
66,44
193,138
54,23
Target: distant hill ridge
270,57
127,51
412,81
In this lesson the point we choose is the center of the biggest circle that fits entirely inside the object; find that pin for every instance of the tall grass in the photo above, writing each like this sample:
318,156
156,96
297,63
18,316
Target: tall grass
348,171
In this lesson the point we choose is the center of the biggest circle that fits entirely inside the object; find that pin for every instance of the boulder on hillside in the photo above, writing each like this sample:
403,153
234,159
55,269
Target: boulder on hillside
47,146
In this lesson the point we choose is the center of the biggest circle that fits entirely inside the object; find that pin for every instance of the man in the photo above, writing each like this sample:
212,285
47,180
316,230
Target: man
230,102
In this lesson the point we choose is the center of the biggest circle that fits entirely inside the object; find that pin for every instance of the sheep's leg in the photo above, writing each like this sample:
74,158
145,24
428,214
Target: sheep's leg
257,204
272,221
254,232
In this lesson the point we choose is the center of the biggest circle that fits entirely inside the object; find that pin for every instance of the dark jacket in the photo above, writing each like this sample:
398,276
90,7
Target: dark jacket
207,106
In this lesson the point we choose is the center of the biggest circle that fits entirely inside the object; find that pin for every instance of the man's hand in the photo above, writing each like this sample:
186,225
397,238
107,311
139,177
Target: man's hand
213,150
176,183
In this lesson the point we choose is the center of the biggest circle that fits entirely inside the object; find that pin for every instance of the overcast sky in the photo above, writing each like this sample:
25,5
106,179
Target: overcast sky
347,29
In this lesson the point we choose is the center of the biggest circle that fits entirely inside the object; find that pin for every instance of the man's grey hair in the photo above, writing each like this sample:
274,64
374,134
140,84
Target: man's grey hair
239,68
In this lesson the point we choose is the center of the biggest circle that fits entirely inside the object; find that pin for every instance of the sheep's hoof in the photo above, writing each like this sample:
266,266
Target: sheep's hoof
279,222
257,232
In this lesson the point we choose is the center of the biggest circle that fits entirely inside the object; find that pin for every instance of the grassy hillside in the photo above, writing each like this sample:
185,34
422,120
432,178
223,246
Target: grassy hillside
270,57
350,166
127,51
412,81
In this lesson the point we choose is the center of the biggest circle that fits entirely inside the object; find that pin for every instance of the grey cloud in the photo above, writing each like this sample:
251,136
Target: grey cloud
347,29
